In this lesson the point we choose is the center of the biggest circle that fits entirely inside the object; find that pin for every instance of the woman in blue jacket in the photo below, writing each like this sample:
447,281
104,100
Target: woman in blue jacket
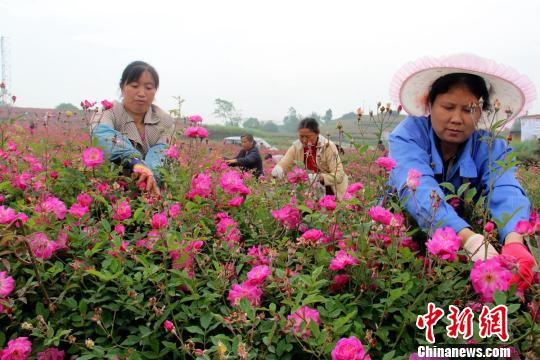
136,132
446,99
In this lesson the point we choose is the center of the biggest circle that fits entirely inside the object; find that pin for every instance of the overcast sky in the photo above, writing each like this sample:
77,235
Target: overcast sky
264,56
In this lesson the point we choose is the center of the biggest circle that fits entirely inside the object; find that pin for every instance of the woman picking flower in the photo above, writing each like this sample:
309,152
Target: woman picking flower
441,141
319,155
136,132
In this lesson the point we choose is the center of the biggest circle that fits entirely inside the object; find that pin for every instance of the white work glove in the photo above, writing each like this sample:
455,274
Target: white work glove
313,178
475,247
277,172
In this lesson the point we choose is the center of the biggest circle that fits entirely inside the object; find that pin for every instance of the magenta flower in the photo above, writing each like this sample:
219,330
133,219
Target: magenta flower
237,201
444,244
196,132
488,276
349,349
413,179
380,215
201,185
172,152
159,221
107,104
53,205
328,202
7,284
386,163
41,246
524,227
50,354
174,210
288,216
87,104
257,276
195,118
311,236
92,157
338,282
299,321
22,181
245,291
7,215
227,229
84,199
169,326
489,227
355,187
231,182
259,255
78,211
297,175
341,260
119,229
123,211
18,349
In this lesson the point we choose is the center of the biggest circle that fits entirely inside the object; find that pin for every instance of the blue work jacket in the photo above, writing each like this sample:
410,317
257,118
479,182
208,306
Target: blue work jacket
413,144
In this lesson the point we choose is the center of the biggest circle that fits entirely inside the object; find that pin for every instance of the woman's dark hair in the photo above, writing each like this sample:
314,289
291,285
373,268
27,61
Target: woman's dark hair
474,83
133,72
309,123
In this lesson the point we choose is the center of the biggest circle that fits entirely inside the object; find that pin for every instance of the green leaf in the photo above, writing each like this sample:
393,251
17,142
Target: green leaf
195,330
206,318
314,299
512,308
499,297
345,319
448,186
470,194
131,340
462,188
389,356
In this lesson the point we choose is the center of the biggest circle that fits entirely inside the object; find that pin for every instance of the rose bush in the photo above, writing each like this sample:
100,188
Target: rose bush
221,265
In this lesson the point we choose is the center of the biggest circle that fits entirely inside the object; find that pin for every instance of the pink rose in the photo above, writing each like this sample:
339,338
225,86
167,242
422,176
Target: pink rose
299,321
245,291
18,349
386,163
7,284
107,104
123,211
78,211
328,202
159,221
349,349
257,275
169,326
195,118
92,157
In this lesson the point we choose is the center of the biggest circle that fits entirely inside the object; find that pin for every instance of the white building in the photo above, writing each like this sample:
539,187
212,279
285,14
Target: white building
530,127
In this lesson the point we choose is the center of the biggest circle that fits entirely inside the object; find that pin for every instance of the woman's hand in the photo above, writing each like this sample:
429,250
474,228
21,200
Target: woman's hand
516,251
143,174
475,245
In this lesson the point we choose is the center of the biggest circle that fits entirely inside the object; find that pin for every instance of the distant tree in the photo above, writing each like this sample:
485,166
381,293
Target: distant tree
290,122
66,107
225,110
328,116
349,116
251,123
315,116
270,126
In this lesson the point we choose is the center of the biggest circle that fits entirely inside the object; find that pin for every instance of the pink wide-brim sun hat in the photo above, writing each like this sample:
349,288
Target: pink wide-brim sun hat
411,84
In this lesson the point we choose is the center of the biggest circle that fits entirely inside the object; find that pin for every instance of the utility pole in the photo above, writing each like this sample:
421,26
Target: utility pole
6,84
179,109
